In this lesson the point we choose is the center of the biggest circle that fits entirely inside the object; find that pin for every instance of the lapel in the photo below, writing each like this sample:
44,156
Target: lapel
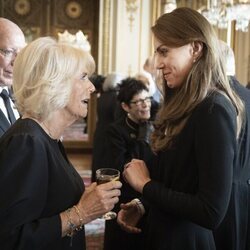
4,123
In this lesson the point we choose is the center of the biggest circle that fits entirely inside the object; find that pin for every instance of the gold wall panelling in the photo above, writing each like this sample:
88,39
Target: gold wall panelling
47,18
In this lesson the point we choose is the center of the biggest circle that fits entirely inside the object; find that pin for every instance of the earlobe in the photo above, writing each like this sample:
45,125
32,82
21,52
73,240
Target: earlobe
197,50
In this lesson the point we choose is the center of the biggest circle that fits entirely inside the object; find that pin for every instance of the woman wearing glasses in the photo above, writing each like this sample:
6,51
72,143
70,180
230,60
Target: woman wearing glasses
127,138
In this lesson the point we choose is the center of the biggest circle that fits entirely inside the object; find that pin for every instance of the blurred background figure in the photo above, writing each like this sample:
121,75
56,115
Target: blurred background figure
106,109
152,73
12,40
149,72
97,80
127,138
233,232
148,81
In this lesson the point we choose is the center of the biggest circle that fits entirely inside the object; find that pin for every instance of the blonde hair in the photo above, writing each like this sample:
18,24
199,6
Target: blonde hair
175,29
43,73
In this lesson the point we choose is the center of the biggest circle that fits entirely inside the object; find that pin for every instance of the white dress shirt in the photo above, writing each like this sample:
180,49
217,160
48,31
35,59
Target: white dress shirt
3,108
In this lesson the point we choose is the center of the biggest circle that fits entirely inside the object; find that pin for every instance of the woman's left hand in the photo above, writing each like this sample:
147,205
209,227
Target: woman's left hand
128,217
136,174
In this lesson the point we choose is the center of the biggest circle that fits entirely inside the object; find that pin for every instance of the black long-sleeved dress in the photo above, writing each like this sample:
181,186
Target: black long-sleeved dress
122,145
191,183
37,182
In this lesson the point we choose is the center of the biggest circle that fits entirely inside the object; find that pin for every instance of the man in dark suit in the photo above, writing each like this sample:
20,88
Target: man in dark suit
234,231
12,40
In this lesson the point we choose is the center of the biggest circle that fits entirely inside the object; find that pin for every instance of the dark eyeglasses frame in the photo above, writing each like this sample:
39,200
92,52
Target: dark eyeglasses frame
141,101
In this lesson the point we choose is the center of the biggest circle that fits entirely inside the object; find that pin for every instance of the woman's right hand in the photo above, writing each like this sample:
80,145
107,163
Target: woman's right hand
98,199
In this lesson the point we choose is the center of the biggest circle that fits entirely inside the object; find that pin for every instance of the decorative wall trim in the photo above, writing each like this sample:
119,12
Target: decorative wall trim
104,51
131,8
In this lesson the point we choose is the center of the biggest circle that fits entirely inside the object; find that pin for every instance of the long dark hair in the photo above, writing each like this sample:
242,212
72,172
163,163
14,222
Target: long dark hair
175,29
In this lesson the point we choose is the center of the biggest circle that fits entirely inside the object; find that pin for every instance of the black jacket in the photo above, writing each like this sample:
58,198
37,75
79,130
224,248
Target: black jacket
234,231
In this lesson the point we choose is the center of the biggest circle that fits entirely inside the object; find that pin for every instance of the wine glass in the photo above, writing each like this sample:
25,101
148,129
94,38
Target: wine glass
104,175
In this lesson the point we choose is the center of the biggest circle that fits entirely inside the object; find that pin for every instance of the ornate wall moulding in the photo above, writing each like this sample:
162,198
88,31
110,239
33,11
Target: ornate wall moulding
131,7
73,9
22,7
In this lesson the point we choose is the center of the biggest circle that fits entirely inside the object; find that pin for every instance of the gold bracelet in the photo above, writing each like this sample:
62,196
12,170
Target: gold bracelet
80,218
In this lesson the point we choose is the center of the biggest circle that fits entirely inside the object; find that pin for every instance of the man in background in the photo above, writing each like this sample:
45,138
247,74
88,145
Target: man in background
12,40
234,231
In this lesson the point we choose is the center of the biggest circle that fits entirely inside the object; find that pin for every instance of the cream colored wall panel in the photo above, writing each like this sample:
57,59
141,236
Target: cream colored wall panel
242,56
133,36
145,43
127,42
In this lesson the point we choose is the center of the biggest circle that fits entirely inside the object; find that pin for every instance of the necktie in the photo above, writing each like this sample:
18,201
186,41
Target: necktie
6,100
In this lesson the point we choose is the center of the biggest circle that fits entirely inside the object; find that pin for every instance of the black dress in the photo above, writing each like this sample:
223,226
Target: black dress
122,145
37,182
191,183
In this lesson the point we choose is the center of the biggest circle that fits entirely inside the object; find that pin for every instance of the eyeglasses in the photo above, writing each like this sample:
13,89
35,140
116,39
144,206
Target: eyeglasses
139,102
8,53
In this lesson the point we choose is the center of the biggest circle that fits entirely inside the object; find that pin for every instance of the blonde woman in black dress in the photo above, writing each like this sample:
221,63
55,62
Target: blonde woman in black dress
44,204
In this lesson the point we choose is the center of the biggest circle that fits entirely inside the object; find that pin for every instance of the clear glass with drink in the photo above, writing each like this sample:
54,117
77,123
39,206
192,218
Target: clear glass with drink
104,175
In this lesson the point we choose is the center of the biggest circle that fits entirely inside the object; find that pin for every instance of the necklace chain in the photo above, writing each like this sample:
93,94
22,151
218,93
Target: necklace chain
127,122
47,130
